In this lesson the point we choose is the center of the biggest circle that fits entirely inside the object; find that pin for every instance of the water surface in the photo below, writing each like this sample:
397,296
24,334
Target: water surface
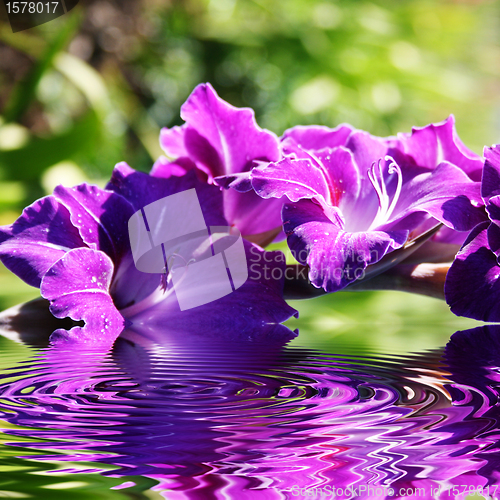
205,418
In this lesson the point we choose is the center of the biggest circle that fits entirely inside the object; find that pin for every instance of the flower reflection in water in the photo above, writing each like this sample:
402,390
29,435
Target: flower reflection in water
211,417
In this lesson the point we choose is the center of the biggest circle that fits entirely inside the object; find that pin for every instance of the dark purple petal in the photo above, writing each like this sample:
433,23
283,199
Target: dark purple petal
335,257
494,240
493,209
316,137
472,286
77,286
435,143
220,138
490,184
100,216
141,189
38,238
241,182
259,302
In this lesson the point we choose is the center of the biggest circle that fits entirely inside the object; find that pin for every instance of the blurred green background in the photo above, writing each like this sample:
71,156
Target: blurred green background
94,87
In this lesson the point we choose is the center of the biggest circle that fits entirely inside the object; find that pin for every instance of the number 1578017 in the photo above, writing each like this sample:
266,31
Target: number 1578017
31,7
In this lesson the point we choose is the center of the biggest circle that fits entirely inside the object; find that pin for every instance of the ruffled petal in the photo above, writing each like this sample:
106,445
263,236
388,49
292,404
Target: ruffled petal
39,237
220,138
316,137
435,143
77,286
172,141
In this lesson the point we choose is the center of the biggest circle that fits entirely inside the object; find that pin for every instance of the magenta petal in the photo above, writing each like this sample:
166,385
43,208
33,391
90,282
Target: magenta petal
250,213
439,142
164,168
335,257
472,285
316,137
244,208
77,286
445,193
38,238
220,138
100,216
344,179
296,179
172,141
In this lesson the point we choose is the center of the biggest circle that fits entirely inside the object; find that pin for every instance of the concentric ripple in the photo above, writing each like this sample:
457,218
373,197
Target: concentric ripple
211,419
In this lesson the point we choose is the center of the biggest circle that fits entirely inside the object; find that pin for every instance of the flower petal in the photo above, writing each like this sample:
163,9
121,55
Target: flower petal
141,189
435,143
335,257
295,179
472,285
316,137
100,216
39,237
172,141
257,303
163,167
220,138
445,193
490,184
251,214
77,286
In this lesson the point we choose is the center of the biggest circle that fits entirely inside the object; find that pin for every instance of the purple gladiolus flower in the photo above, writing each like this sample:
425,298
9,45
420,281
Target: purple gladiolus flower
74,245
220,140
353,197
472,286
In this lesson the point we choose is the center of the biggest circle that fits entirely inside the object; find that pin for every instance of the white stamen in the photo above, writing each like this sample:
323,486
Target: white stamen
394,168
376,176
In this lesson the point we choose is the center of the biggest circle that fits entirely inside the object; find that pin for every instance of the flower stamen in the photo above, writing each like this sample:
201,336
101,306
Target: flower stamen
376,176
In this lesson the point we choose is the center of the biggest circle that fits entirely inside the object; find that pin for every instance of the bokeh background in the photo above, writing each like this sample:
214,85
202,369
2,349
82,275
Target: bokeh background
94,87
